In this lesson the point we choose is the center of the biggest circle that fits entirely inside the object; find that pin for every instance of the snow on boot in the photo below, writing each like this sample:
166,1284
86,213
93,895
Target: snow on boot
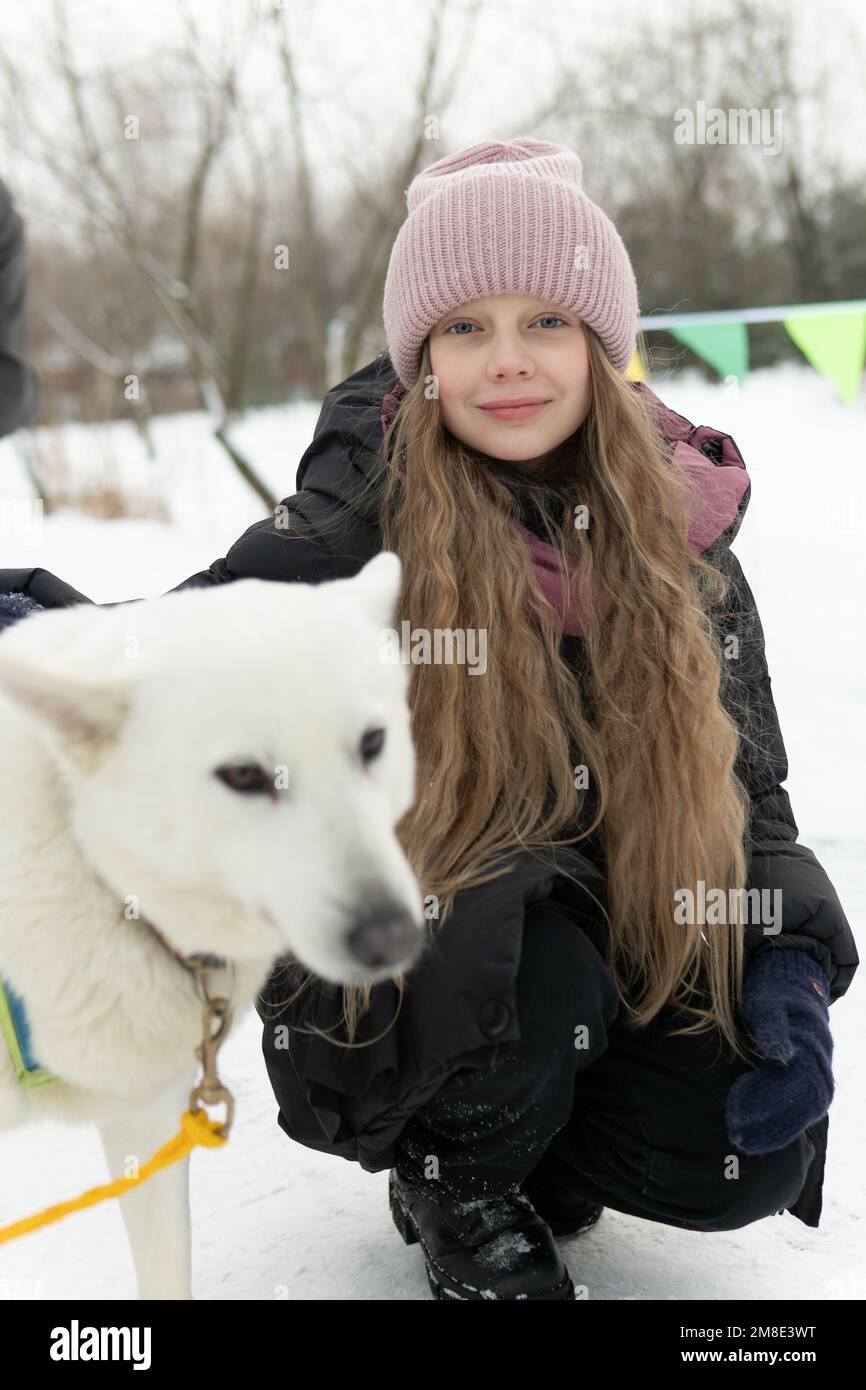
486,1248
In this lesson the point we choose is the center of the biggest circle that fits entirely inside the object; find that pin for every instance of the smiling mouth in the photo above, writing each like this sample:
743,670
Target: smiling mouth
514,412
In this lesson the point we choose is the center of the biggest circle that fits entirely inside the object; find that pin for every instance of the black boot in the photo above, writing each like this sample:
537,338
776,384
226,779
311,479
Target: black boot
490,1247
566,1213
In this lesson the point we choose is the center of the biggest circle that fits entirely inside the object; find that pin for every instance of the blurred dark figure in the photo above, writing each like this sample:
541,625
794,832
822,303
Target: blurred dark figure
20,397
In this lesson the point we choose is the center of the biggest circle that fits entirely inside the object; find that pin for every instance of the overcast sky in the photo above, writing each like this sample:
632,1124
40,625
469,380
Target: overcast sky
360,55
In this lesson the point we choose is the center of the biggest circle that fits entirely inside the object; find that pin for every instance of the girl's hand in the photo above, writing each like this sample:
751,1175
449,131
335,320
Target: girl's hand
786,1003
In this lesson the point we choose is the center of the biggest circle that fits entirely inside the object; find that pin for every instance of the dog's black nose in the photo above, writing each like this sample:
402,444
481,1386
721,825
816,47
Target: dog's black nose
383,937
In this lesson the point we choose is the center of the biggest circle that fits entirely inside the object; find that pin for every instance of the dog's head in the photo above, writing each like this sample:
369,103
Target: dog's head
235,760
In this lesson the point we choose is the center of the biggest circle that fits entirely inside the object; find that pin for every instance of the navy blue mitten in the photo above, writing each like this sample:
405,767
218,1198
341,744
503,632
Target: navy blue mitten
786,1001
14,606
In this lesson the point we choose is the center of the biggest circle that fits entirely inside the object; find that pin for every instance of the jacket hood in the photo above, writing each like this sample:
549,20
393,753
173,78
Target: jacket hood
713,460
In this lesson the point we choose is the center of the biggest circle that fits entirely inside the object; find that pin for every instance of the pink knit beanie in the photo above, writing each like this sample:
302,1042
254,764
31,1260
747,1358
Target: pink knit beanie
506,217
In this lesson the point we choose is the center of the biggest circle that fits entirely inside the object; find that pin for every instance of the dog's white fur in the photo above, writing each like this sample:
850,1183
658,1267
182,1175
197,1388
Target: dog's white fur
112,722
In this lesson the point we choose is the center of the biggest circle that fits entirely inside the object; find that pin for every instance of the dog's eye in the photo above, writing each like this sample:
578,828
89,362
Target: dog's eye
372,743
245,777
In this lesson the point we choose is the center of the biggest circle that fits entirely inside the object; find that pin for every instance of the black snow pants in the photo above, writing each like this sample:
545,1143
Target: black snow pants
635,1121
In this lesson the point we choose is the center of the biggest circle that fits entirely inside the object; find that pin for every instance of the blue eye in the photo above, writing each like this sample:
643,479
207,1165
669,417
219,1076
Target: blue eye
464,323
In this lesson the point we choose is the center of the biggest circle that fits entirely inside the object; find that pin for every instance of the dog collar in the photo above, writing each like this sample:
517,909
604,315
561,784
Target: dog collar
199,960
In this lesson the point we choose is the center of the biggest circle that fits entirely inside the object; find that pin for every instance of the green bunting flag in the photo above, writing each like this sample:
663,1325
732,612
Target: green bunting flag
724,345
832,337
835,344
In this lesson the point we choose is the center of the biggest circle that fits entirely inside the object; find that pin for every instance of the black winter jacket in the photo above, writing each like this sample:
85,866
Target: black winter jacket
461,997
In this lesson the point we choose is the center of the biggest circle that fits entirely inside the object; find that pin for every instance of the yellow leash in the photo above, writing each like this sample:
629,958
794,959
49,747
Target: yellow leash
196,1128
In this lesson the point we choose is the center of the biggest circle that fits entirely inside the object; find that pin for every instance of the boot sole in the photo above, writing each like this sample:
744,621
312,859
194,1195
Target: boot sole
444,1287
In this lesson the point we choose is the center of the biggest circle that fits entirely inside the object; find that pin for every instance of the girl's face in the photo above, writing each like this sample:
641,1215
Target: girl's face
507,347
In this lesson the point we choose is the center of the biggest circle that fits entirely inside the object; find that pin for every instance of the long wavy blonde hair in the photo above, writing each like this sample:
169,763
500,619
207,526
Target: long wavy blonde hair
496,754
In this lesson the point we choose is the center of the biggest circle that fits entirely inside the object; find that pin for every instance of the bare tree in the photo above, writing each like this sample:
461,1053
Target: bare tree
104,190
382,198
182,225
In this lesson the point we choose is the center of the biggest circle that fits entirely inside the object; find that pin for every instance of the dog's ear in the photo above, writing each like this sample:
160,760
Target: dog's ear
379,582
82,716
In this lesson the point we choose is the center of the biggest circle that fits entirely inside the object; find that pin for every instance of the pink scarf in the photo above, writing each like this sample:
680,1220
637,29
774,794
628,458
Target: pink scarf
715,500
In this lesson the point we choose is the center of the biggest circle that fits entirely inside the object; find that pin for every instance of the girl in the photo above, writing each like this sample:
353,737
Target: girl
581,1032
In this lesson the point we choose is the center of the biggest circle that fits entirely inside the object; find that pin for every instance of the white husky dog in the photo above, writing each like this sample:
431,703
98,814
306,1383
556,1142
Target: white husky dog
226,766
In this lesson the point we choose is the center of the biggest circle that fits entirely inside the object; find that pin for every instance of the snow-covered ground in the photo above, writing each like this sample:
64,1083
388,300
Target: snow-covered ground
272,1219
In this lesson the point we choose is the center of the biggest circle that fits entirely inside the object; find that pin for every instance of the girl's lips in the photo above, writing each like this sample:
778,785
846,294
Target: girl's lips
514,412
